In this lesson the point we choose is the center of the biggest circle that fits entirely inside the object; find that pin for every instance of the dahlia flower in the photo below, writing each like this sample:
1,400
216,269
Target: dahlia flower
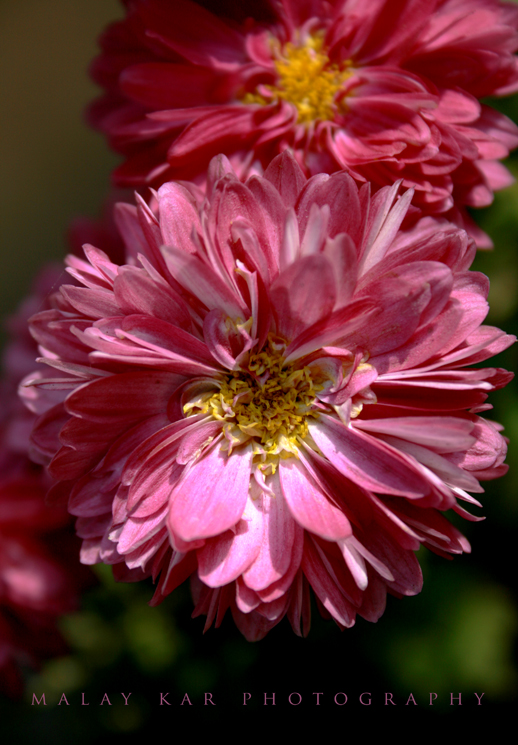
388,90
276,392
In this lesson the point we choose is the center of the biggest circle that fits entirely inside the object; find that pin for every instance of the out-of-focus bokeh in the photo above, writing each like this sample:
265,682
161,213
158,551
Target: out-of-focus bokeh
459,637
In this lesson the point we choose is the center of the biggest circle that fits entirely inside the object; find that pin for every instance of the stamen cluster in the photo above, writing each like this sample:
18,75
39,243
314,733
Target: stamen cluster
270,402
306,79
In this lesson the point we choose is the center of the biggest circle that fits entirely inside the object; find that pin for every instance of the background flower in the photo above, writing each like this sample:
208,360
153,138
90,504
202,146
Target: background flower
385,90
40,575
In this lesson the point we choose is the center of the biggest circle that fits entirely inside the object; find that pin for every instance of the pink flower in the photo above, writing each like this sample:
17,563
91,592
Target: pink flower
277,394
385,90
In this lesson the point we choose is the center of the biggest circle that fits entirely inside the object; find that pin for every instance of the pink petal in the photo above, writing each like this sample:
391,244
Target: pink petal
211,498
126,396
308,505
277,539
443,434
224,558
298,300
366,460
325,587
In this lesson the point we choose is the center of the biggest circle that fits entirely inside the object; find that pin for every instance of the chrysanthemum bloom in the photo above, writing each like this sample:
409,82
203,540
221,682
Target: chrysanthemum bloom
277,395
40,575
387,89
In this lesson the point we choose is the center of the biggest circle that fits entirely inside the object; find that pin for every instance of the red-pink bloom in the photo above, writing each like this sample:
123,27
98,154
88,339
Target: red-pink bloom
40,575
278,393
387,89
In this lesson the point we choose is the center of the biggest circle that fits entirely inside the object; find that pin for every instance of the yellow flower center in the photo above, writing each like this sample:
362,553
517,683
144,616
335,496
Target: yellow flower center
269,403
307,79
